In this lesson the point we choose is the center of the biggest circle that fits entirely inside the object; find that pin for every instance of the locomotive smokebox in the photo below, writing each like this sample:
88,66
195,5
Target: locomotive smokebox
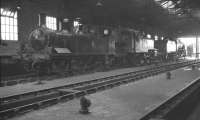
38,39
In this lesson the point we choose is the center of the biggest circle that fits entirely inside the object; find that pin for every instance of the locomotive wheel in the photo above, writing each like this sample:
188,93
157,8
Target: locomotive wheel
142,61
58,67
148,61
40,67
27,66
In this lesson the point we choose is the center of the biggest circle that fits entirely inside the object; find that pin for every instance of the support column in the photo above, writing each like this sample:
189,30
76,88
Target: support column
197,47
59,24
42,20
176,45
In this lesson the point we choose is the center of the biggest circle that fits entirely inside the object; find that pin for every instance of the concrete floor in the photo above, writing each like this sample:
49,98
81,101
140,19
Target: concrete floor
126,102
33,86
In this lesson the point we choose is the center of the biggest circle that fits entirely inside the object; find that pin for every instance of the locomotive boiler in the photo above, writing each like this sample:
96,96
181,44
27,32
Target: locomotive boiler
92,48
58,50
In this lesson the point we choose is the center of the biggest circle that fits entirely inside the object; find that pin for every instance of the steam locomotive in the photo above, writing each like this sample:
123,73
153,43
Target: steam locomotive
91,48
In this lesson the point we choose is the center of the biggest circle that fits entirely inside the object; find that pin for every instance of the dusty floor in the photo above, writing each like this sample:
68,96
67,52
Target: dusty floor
126,102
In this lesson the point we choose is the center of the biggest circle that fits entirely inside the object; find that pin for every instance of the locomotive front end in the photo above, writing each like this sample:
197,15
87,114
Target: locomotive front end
37,51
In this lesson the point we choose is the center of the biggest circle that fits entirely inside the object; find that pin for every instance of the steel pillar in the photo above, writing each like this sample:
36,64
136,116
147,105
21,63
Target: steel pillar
197,47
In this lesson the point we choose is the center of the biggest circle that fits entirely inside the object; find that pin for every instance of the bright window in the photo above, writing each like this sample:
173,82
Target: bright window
51,23
9,27
171,46
190,42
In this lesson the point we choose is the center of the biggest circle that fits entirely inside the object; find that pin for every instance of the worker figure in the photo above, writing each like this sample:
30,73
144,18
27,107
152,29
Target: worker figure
85,104
168,75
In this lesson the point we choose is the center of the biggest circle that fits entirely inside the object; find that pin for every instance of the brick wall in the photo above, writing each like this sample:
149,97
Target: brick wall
28,18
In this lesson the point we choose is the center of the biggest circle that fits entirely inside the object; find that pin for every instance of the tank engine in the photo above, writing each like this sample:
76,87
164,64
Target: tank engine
94,47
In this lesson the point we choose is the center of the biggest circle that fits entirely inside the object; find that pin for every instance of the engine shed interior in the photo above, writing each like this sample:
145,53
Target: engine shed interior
100,60
97,27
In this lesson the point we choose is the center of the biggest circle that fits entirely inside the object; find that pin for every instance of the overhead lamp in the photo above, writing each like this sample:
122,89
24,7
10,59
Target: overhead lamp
76,23
179,14
78,18
99,3
162,38
19,8
156,37
106,32
149,36
66,20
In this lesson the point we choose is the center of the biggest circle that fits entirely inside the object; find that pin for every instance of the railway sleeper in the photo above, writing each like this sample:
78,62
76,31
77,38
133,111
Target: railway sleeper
24,81
147,75
124,82
27,101
121,82
45,103
107,86
114,84
100,88
110,86
90,91
136,78
67,97
53,101
80,93
27,108
10,83
24,96
117,83
8,113
131,80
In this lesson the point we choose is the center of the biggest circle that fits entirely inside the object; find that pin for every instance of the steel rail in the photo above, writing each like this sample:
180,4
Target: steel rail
31,77
78,90
14,97
68,86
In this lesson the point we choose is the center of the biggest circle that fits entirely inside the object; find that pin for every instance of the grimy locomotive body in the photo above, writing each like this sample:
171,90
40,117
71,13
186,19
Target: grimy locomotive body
91,48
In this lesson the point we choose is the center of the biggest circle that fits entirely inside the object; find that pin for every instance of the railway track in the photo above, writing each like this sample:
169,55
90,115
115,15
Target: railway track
179,106
32,77
25,78
14,105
